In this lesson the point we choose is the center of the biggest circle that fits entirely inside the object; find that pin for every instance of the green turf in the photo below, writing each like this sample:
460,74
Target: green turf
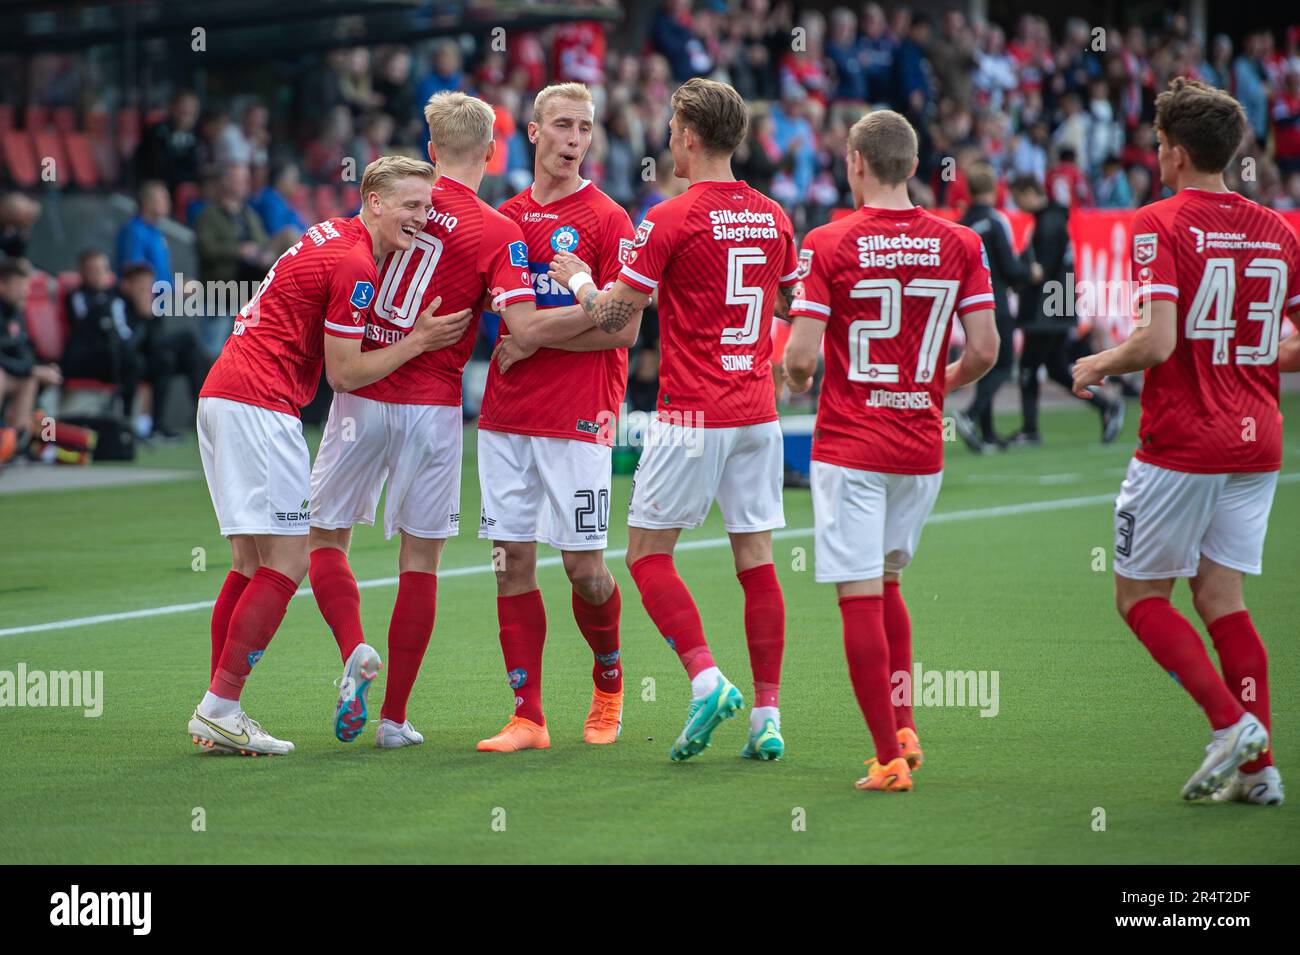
1087,722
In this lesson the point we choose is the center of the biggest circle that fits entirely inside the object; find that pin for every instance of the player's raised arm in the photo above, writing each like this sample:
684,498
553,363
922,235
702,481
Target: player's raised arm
348,368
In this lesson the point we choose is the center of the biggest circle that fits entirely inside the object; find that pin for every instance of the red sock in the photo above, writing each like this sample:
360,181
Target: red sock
764,630
1178,648
1242,656
523,634
599,625
408,638
867,650
336,593
673,611
252,625
898,631
225,606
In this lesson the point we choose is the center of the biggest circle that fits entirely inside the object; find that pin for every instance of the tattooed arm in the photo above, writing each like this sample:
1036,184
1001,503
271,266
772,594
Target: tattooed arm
783,301
611,311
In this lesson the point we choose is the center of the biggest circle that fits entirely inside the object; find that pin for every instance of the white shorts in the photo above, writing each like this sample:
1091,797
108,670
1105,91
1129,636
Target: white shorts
416,448
1165,521
551,490
867,523
682,470
257,466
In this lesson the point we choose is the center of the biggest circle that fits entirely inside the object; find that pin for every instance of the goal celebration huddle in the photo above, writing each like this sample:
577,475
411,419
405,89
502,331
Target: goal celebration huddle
387,303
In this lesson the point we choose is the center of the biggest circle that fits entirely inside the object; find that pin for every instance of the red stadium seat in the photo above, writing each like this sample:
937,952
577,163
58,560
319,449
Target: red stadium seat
324,202
185,193
20,158
101,145
48,147
49,334
64,118
81,159
127,131
36,117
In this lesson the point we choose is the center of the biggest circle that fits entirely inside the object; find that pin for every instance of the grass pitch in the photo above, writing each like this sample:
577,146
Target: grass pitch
1082,762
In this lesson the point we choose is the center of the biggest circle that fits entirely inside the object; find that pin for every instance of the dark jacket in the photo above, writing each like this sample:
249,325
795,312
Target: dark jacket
101,341
17,356
1051,248
1006,269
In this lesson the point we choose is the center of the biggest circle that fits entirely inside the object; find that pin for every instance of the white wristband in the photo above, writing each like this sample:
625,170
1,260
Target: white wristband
579,282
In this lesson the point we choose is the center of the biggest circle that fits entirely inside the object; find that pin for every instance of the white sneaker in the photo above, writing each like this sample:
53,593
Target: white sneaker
390,735
1231,746
358,673
1263,788
236,734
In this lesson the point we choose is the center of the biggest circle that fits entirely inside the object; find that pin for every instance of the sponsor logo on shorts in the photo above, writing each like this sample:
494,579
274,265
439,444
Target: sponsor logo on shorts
484,520
454,520
302,514
587,427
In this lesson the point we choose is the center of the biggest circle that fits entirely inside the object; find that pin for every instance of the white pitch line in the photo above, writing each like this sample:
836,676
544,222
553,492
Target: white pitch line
944,517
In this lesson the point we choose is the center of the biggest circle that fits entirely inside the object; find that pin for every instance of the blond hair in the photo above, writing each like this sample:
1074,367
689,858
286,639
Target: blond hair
887,143
460,125
715,111
383,175
577,92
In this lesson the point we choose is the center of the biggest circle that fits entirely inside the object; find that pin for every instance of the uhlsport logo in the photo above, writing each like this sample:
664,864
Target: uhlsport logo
1199,235
564,239
75,908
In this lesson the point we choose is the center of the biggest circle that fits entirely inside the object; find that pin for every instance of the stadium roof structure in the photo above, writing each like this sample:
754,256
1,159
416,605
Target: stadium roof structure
255,29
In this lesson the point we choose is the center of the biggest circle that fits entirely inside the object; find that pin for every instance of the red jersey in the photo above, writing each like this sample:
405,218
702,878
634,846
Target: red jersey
466,248
556,393
323,285
1233,269
720,250
887,282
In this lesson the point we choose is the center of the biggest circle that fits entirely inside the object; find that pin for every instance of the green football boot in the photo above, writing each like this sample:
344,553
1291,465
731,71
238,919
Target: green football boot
765,743
703,717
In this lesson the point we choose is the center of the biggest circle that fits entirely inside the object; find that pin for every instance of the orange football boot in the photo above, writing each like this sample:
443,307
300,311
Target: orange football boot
519,733
605,718
911,747
892,777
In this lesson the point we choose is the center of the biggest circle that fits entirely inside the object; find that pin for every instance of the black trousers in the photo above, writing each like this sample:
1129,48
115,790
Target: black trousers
1048,350
981,406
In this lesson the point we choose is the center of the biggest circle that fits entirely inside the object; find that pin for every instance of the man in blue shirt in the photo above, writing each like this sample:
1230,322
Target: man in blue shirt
272,205
141,240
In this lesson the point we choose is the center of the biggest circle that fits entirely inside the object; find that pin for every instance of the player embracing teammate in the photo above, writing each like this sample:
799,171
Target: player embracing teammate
312,308
1214,275
544,435
717,255
883,286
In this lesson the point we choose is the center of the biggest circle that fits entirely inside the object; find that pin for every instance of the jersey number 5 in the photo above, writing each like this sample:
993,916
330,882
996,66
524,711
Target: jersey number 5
750,296
890,292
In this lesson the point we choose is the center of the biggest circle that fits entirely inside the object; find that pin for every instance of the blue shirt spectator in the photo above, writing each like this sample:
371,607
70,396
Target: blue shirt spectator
795,137
672,36
141,240
272,203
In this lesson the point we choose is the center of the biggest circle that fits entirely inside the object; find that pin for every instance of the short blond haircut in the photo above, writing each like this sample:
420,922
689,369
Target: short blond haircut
577,92
383,175
460,125
887,142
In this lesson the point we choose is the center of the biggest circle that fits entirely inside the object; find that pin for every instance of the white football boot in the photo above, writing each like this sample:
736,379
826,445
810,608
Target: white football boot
390,735
358,673
236,733
1263,788
1230,747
